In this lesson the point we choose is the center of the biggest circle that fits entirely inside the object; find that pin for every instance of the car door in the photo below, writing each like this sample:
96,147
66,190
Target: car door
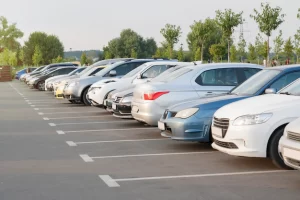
215,81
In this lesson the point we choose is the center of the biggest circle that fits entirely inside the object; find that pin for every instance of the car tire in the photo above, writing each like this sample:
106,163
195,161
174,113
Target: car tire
41,86
273,150
84,98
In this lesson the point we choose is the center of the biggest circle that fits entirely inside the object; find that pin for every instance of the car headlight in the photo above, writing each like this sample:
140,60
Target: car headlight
252,119
127,98
73,84
186,113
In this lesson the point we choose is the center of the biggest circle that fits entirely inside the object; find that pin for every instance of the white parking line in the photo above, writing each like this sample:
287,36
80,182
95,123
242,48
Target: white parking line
110,182
52,124
46,119
60,132
106,122
73,144
72,112
86,158
36,109
103,130
155,154
72,117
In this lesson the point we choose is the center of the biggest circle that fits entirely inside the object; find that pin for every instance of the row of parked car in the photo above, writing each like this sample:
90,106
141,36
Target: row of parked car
243,109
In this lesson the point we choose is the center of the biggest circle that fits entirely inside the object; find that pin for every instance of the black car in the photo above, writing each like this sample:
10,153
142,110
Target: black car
39,81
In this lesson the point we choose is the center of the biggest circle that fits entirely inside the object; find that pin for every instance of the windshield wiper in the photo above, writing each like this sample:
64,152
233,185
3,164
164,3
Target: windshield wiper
286,93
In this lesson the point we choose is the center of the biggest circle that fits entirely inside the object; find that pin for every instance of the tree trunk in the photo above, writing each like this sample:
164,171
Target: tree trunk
268,56
229,49
202,50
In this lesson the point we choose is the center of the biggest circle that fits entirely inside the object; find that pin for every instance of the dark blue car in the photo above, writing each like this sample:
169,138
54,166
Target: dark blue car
191,121
23,71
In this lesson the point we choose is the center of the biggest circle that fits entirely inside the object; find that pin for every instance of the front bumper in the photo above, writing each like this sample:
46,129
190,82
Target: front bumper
247,141
290,151
71,93
148,112
93,96
59,94
190,129
122,110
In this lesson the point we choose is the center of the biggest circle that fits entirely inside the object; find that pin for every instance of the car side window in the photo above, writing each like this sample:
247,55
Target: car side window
285,80
154,71
96,71
248,72
218,77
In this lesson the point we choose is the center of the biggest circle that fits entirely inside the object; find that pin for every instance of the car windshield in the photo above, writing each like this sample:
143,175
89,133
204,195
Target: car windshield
135,71
162,76
75,71
255,83
176,74
108,69
292,89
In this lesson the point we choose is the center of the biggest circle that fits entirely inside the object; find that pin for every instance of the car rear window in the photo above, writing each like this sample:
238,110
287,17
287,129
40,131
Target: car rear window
176,74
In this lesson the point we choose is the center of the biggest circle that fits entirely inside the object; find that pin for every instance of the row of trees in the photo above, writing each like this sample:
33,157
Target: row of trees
39,49
211,39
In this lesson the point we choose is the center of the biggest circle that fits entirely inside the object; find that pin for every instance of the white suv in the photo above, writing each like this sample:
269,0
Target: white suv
289,144
254,126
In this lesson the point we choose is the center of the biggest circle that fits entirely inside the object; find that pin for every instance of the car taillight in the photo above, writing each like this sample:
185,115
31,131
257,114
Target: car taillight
154,95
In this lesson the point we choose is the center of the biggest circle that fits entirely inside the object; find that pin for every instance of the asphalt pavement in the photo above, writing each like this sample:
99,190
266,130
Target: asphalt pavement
54,150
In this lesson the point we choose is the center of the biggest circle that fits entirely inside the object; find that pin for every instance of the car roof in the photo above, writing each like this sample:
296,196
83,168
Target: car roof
165,62
224,65
284,67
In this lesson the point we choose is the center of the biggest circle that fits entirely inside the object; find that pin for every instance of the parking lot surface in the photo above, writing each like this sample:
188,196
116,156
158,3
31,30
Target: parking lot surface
51,149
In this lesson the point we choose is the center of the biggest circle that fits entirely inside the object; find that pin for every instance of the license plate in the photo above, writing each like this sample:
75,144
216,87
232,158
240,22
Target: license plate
105,102
217,132
114,106
161,126
290,153
135,109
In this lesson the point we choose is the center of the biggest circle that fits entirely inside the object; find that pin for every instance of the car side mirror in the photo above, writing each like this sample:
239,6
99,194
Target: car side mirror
139,76
113,73
270,91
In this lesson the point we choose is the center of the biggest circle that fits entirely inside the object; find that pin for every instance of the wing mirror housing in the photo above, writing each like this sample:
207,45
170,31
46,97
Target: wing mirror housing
113,73
270,91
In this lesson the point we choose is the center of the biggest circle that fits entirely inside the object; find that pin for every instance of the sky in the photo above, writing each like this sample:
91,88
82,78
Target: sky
90,24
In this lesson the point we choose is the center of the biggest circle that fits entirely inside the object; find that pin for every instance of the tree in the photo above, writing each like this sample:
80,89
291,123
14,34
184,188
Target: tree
261,47
9,35
21,55
171,33
13,60
180,54
108,55
233,53
241,47
158,53
288,48
83,58
5,57
251,52
37,57
297,45
217,51
201,32
198,54
59,59
278,43
133,54
49,45
228,20
268,20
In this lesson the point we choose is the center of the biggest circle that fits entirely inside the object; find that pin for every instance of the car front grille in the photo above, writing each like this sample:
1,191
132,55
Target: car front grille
222,123
227,145
293,136
294,162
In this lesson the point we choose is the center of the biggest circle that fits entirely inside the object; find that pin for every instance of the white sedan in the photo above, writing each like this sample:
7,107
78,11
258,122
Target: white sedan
289,144
254,126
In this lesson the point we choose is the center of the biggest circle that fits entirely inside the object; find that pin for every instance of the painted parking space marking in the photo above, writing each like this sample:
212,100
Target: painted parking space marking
106,130
45,118
110,182
105,122
79,117
73,144
52,124
60,132
86,158
71,112
36,109
148,155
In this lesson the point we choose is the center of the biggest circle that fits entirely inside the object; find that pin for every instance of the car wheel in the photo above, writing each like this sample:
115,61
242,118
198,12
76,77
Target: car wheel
41,85
84,97
273,151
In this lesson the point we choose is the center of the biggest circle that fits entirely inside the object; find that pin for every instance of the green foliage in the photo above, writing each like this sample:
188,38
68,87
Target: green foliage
288,48
198,54
5,56
217,51
233,53
9,35
228,20
83,59
278,44
171,33
59,59
37,57
261,47
241,51
158,53
180,54
49,45
251,52
21,55
133,53
108,55
297,44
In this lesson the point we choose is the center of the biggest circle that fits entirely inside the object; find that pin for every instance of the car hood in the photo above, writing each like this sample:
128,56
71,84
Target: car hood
207,103
56,77
91,79
105,81
257,105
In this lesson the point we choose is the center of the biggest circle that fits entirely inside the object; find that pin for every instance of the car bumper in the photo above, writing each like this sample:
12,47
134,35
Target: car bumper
290,151
247,141
190,129
149,112
71,93
122,110
93,96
